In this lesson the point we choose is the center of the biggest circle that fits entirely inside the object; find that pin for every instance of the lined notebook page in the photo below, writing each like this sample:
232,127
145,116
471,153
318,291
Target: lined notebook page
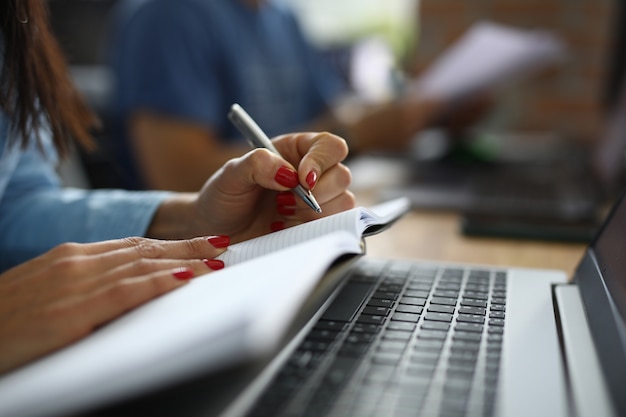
357,222
347,220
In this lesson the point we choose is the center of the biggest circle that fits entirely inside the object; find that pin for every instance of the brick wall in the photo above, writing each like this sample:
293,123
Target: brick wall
565,98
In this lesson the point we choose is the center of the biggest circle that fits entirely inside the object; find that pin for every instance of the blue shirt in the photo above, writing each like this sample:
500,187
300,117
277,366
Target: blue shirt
36,214
192,59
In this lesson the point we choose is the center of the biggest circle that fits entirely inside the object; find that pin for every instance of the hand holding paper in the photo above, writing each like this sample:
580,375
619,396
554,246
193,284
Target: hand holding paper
488,55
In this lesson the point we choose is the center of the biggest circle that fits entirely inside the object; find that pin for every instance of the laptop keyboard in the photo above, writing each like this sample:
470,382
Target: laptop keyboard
400,339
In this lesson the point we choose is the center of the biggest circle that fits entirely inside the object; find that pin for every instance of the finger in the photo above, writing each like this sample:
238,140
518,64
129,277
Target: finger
332,184
144,266
117,252
258,169
312,153
142,248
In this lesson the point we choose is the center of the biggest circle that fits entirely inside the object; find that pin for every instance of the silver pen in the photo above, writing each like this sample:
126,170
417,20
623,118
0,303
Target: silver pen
258,139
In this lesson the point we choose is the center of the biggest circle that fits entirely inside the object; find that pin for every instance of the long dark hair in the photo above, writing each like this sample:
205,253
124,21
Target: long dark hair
35,86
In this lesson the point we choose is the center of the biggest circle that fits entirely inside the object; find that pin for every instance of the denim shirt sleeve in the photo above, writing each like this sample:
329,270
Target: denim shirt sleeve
36,213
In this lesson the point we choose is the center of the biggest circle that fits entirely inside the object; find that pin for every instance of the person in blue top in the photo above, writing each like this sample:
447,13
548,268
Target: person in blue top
179,65
71,260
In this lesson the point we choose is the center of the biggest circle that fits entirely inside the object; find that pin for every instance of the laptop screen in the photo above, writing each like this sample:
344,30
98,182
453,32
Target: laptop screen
601,277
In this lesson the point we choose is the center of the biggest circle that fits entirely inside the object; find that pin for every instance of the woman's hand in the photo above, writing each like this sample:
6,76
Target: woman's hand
64,294
251,195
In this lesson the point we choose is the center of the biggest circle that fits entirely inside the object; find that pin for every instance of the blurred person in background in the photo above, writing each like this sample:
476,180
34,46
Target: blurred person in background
180,65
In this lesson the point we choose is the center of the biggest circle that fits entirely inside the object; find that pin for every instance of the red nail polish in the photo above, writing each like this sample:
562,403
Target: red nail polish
219,241
286,177
286,199
214,264
183,273
311,179
286,211
276,226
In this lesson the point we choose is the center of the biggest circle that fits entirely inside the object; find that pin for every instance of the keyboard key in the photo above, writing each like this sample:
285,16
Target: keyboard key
446,294
331,325
365,328
437,308
417,293
448,301
405,317
401,326
438,317
498,301
363,338
432,334
496,322
476,287
494,338
391,346
470,318
448,286
413,301
467,336
472,302
423,286
425,357
496,330
365,318
376,311
469,327
353,350
386,358
323,335
406,308
381,302
385,295
472,310
496,314
497,307
397,335
476,295
429,345
435,325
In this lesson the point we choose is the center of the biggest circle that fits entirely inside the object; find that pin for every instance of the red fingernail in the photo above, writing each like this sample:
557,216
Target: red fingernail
311,179
276,226
219,241
183,273
286,177
214,264
286,211
286,199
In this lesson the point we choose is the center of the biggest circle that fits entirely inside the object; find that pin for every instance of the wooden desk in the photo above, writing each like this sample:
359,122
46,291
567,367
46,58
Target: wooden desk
435,236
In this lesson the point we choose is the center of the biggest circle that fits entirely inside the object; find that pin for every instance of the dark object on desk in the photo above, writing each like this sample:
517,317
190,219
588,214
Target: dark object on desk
485,225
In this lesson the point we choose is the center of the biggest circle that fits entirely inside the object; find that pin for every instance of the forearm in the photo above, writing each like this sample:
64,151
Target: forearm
38,221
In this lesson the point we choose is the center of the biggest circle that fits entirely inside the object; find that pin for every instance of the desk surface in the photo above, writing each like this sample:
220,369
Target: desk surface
435,236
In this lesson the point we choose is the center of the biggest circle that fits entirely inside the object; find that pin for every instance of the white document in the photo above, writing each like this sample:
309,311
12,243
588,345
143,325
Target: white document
487,55
216,320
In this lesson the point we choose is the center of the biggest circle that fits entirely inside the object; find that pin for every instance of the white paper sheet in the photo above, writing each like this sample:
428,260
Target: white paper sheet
487,55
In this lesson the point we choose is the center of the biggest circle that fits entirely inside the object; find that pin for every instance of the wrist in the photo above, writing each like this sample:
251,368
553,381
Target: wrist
176,218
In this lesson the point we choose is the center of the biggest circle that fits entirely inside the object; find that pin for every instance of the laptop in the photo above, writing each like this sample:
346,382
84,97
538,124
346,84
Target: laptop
570,185
416,338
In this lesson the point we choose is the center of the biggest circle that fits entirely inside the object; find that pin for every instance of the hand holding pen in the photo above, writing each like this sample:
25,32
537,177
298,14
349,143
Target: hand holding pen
258,139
